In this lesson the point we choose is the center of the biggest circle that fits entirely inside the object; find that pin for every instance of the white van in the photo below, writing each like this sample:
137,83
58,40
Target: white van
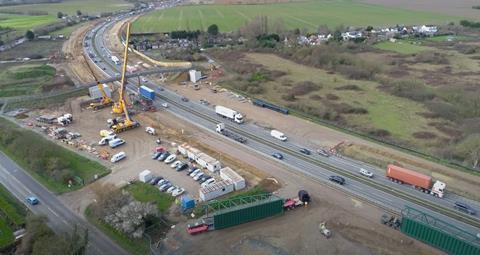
106,139
117,157
116,142
279,135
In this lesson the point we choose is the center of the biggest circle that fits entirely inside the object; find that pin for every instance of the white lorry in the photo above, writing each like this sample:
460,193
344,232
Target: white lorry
229,114
279,135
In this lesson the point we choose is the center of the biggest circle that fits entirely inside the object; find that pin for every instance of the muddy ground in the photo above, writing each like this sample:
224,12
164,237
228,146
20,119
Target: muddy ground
355,224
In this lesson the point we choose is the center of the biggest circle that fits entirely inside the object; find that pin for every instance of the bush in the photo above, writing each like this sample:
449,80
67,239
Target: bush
332,97
316,97
411,89
289,97
432,57
379,133
424,135
305,87
349,87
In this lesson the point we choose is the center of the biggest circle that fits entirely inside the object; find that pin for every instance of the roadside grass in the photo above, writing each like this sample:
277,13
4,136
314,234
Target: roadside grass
71,6
24,79
12,217
6,236
308,15
401,46
139,247
39,151
67,31
14,211
144,192
385,111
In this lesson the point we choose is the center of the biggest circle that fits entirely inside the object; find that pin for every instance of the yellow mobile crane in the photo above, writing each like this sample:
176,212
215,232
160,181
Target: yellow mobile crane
119,126
106,100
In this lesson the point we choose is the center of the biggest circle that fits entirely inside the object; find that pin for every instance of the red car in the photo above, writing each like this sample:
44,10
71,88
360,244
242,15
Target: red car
193,230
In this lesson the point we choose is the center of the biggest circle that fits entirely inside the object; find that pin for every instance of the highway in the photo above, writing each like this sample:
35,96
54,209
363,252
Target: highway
60,218
379,190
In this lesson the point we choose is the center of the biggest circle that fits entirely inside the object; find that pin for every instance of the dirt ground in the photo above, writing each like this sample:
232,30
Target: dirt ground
355,224
76,65
462,8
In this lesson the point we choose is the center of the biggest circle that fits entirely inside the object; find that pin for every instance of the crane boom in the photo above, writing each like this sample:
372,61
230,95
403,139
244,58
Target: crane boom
106,100
121,106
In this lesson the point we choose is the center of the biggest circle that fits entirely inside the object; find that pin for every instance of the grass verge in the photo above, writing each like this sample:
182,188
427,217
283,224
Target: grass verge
139,247
12,217
49,163
149,193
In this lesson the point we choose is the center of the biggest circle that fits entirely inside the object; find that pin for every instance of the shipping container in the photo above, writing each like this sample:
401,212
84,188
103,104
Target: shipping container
437,233
214,165
215,190
195,75
409,176
95,92
147,92
203,160
145,176
227,173
248,212
187,202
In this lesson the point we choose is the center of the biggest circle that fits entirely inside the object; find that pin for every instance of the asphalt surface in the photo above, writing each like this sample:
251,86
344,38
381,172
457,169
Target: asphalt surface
205,117
60,218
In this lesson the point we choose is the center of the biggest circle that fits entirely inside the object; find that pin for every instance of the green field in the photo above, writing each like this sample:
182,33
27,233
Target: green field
400,46
48,162
12,217
67,31
25,22
147,193
24,79
71,6
308,15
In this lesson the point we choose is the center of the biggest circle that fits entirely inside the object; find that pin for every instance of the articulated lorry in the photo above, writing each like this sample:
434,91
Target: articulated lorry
222,130
229,114
419,181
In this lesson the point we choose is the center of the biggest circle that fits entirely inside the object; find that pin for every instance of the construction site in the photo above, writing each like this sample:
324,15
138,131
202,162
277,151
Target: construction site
237,184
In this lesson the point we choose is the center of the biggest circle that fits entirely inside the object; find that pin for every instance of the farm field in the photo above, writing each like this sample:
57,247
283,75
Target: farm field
308,15
71,6
24,22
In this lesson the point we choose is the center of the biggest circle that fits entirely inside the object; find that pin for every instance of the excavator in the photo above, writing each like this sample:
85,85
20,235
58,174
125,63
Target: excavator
105,101
117,125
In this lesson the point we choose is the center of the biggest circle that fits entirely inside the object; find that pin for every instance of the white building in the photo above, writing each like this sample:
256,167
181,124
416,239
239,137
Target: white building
195,75
238,181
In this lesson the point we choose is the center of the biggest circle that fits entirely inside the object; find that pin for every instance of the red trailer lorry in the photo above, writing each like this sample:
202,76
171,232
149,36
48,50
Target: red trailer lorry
417,180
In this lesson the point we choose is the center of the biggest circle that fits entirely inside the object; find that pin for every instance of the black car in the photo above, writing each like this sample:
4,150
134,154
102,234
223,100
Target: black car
204,178
184,99
277,155
190,170
181,167
155,180
337,179
163,156
305,151
464,208
156,155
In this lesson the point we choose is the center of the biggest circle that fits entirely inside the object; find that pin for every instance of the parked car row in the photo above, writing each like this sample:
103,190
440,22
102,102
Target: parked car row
165,185
161,154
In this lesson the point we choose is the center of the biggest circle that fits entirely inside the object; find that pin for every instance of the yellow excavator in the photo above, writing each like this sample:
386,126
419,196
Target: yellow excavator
105,101
119,126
